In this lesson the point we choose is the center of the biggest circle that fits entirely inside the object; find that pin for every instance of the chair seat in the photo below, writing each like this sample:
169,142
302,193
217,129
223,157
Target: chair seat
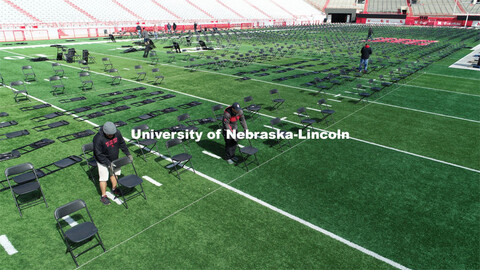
87,81
141,73
58,86
27,177
92,162
249,150
308,121
81,232
159,77
21,92
279,100
328,111
364,94
148,142
26,188
182,157
376,88
130,181
253,108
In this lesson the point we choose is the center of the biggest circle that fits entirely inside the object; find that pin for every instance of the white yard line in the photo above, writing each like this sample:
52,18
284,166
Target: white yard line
210,154
149,179
5,243
112,197
269,116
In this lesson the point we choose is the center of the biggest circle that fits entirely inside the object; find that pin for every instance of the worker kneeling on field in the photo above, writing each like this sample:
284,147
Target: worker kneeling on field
106,145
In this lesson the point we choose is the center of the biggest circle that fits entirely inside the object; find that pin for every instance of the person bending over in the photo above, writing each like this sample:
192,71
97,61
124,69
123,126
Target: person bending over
106,145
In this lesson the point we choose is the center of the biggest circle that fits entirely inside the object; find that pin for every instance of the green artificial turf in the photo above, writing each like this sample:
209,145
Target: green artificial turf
405,186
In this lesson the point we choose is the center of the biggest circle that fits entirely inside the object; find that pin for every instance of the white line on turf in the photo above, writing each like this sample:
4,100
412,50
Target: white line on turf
312,109
283,118
210,154
9,248
269,116
304,89
70,221
45,80
149,179
270,127
334,100
112,197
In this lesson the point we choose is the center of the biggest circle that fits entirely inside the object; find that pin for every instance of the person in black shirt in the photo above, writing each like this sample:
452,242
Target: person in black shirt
106,145
365,52
174,26
370,33
149,45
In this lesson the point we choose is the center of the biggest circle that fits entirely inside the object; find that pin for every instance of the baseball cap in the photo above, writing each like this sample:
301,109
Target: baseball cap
109,128
367,46
237,108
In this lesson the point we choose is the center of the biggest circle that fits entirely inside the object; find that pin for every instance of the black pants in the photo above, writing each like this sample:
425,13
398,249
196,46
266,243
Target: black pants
230,146
147,51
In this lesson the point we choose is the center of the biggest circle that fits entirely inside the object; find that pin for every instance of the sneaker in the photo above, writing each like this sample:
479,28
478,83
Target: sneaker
229,161
105,200
117,192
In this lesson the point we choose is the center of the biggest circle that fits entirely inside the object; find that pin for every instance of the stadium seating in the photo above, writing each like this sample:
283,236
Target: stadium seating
385,6
434,7
299,8
12,15
469,7
104,10
342,4
63,11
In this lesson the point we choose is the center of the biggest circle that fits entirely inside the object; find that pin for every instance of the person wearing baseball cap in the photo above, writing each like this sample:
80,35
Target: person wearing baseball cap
365,52
231,116
106,145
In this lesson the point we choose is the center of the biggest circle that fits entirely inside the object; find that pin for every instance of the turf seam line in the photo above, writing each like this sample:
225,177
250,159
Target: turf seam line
295,123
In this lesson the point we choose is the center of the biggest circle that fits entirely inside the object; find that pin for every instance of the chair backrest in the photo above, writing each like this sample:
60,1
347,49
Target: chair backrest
273,91
217,107
247,99
69,208
155,70
26,67
301,110
275,121
173,142
138,67
122,162
321,101
141,127
112,70
87,147
16,83
183,117
84,74
82,62
17,169
105,59
56,64
54,78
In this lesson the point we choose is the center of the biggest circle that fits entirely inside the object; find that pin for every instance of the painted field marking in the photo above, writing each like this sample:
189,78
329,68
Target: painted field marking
300,114
337,95
9,248
210,154
312,109
46,80
70,221
149,179
112,197
270,127
334,100
126,68
269,116
283,118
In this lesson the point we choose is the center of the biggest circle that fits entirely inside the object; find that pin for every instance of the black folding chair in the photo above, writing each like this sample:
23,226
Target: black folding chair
180,159
87,150
57,68
251,108
57,85
86,80
154,58
128,184
305,119
277,100
277,124
156,71
116,78
21,93
326,113
83,65
25,184
141,75
147,143
218,116
107,64
246,152
29,73
79,233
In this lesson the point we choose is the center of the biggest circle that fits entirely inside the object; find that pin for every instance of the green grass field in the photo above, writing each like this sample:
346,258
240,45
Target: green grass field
402,192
